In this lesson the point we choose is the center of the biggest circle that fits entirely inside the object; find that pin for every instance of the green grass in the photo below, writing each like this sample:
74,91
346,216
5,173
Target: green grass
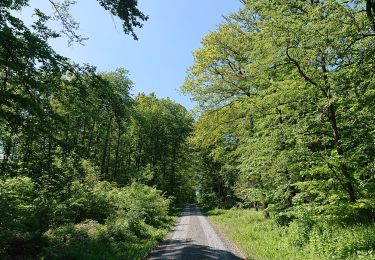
260,238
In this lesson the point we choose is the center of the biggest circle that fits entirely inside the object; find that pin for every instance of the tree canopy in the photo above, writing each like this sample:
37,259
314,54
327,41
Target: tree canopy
79,156
289,85
285,123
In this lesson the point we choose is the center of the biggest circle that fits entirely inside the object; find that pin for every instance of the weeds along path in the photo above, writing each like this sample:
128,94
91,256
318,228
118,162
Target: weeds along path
193,237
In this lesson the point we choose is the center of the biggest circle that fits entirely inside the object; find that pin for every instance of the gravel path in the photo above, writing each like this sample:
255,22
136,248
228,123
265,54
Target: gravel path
193,237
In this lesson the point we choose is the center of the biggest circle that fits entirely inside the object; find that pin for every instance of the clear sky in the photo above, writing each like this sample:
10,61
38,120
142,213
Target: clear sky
159,59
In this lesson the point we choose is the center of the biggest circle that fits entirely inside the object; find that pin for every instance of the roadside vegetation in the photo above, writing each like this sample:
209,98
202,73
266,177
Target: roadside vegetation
87,171
261,238
285,125
96,220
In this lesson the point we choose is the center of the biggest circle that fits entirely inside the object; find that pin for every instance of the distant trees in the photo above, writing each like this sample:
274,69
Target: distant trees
292,83
160,152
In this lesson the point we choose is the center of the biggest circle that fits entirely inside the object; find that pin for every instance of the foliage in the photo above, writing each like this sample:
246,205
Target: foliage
17,211
160,130
128,12
135,219
215,160
77,151
287,85
96,218
261,238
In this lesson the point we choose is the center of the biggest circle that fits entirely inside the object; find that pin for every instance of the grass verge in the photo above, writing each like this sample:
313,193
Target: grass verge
260,238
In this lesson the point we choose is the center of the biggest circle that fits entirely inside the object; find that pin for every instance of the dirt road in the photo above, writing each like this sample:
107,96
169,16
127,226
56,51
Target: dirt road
193,237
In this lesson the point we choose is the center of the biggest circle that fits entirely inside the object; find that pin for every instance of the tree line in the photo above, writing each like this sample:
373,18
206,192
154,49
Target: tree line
80,157
285,93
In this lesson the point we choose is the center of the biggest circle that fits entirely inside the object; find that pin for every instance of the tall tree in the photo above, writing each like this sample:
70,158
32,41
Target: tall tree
294,85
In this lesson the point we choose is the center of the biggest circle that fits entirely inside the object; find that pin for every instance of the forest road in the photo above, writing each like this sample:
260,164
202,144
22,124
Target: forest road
193,237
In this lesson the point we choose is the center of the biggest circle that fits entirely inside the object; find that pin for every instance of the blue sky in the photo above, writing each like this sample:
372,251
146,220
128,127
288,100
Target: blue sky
159,59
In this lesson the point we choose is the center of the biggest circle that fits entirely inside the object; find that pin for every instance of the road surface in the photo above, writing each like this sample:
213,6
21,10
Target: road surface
193,237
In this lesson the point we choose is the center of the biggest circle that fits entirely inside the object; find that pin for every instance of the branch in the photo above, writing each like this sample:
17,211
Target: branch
301,72
69,25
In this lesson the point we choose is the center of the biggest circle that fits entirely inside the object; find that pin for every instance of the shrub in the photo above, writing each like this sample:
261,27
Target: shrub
340,242
17,211
79,241
300,230
141,202
85,219
122,222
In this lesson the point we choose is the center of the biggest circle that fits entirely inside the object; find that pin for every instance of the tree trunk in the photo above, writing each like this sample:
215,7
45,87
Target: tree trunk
91,137
115,172
370,12
105,149
266,214
332,117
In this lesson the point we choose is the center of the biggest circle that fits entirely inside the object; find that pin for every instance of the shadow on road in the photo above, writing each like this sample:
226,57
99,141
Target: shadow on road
178,249
188,239
191,210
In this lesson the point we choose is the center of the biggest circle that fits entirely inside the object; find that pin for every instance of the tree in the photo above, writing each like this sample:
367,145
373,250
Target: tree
126,10
294,86
160,154
75,147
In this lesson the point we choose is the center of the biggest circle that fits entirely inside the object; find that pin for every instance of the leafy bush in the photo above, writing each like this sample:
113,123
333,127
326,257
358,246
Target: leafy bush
75,241
121,222
86,219
300,230
283,219
17,211
141,202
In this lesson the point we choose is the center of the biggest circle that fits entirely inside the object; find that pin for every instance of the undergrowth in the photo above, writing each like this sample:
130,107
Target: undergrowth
89,219
261,238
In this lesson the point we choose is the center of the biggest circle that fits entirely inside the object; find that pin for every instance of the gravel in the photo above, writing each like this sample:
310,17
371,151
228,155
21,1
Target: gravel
193,237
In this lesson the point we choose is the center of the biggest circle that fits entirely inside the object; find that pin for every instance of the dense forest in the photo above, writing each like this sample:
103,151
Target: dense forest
83,163
286,97
286,92
284,124
286,105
